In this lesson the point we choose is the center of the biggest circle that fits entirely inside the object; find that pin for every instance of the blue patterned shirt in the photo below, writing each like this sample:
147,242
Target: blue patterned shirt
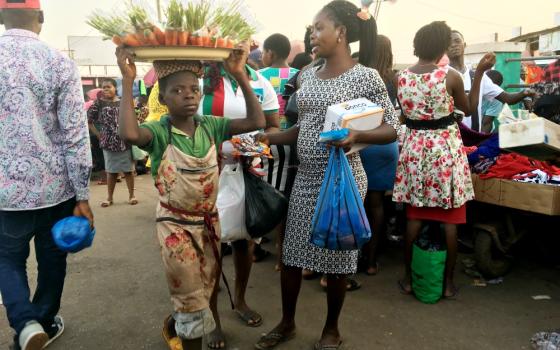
45,156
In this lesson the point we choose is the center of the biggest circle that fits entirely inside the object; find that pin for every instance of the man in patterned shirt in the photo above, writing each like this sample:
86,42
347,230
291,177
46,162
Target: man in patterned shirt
45,164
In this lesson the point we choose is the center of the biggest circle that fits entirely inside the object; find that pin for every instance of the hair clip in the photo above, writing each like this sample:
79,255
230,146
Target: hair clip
364,12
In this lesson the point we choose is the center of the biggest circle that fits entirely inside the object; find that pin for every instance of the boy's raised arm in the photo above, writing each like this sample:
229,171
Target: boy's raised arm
128,124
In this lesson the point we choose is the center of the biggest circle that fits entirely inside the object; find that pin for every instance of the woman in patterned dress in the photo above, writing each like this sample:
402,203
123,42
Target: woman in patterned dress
433,175
340,79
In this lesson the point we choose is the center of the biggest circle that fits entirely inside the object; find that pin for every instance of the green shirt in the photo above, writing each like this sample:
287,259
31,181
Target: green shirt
197,146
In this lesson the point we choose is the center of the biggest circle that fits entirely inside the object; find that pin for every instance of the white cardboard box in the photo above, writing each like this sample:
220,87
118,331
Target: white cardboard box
359,114
536,138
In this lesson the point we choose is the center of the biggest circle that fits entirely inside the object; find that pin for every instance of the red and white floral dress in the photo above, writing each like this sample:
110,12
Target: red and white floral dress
433,174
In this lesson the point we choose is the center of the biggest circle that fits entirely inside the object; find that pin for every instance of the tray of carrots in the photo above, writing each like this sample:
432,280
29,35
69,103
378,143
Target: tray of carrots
192,30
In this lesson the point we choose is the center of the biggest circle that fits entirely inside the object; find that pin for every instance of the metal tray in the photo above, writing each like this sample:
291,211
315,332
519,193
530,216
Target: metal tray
155,53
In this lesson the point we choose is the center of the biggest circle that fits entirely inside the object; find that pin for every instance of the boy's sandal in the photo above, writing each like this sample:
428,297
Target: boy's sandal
273,339
106,204
133,201
169,336
319,346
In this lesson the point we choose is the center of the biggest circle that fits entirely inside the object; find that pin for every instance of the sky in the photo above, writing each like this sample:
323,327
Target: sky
478,20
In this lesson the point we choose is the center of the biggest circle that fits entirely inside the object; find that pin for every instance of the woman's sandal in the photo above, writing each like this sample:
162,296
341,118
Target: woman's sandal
319,346
402,288
351,285
133,201
106,204
251,318
273,339
169,335
376,267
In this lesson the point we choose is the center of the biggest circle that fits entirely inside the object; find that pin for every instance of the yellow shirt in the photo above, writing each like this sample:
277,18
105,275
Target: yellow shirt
157,110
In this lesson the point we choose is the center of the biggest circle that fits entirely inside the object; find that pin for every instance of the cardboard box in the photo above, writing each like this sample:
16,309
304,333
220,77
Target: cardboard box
536,138
359,114
536,198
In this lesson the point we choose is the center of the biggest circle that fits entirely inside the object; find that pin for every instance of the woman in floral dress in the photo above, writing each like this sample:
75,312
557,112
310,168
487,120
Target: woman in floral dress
433,175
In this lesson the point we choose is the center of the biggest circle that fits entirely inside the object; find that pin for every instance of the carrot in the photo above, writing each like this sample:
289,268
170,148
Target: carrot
130,40
230,44
151,37
159,35
221,42
169,37
141,37
117,40
183,38
206,41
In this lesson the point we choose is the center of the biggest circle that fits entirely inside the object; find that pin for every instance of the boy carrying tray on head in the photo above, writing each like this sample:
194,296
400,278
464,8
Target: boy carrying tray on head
183,149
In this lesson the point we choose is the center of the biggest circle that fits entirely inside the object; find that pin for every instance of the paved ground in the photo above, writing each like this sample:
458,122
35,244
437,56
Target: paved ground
116,298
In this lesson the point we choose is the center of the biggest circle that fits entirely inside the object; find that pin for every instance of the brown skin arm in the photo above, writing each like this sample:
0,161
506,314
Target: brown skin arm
455,84
487,124
512,99
381,135
128,124
255,120
272,122
287,137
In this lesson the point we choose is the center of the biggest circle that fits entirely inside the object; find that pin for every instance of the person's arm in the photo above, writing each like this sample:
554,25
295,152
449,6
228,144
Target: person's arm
487,123
272,122
287,137
92,116
255,120
511,99
469,104
74,126
128,124
384,133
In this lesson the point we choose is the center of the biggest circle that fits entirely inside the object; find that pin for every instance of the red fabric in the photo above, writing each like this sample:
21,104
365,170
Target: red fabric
20,4
448,216
511,164
534,74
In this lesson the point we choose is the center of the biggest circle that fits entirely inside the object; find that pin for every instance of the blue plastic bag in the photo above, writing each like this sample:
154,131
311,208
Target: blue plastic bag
73,234
340,221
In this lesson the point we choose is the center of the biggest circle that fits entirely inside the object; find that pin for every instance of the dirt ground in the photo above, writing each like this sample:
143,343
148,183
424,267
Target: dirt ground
116,298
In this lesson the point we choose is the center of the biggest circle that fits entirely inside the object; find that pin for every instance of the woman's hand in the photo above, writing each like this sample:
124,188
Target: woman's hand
125,59
487,62
235,64
347,143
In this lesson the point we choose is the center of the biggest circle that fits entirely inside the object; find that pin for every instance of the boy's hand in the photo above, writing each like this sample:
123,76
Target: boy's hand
262,138
125,59
235,63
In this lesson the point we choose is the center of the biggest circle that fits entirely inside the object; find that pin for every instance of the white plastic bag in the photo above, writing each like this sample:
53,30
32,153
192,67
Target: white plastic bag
231,203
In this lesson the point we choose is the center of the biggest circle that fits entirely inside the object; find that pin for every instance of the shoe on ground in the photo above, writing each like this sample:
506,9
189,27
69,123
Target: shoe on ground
33,336
56,330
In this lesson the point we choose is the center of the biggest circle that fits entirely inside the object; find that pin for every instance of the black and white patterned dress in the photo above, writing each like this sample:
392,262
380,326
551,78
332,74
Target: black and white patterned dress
314,97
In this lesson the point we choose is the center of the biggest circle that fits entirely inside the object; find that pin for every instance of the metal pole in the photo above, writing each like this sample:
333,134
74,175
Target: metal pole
541,58
158,5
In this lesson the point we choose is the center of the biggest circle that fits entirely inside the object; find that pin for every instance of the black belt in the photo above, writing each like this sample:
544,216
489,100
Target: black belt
434,124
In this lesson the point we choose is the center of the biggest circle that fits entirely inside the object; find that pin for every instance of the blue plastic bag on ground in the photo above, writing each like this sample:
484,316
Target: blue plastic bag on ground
340,221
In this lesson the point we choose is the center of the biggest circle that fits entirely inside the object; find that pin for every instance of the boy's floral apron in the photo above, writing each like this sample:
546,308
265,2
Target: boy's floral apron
187,225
